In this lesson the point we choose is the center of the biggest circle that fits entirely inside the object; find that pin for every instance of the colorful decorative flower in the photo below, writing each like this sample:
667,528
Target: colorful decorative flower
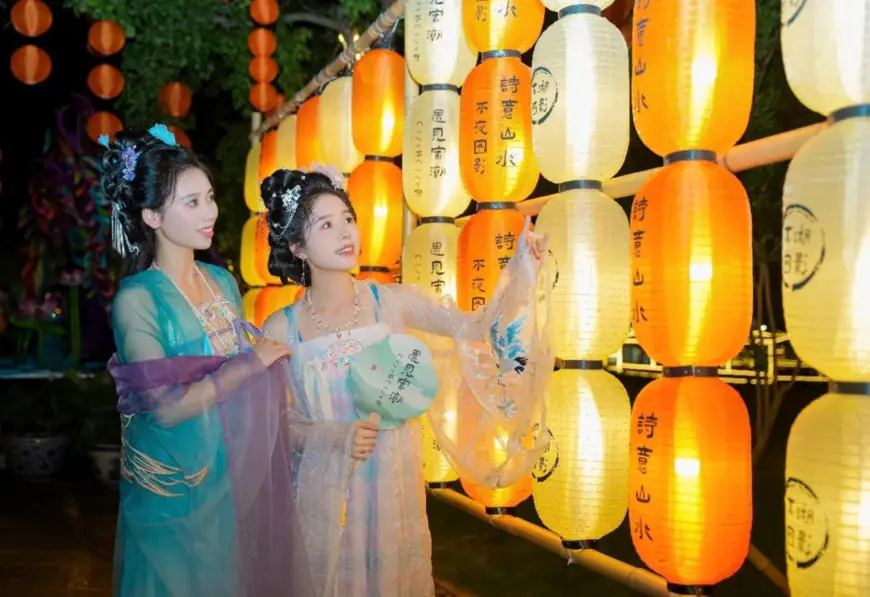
164,134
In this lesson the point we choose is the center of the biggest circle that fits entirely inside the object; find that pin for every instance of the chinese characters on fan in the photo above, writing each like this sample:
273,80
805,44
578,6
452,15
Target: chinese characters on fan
402,372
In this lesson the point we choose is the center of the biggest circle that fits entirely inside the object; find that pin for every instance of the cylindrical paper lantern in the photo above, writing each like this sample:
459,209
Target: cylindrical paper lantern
264,12
287,143
249,304
430,256
581,492
589,234
498,25
31,18
827,470
826,251
691,265
495,131
437,471
308,148
30,64
826,52
378,103
103,123
431,177
248,254
487,242
690,481
375,189
501,500
692,73
580,99
105,81
252,180
175,97
336,139
436,47
269,154
106,38
272,299
263,96
262,42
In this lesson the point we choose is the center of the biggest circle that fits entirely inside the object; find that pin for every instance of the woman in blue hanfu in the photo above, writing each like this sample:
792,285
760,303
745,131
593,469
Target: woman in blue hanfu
205,507
359,487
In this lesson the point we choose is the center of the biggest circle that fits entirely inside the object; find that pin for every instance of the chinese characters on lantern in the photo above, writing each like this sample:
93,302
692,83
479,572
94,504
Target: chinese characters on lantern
803,246
638,101
437,272
480,134
418,157
645,452
638,231
545,94
437,144
806,529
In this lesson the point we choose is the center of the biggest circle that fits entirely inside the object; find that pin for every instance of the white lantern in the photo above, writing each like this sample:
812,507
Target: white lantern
431,178
430,256
252,179
580,98
436,48
826,52
336,140
286,146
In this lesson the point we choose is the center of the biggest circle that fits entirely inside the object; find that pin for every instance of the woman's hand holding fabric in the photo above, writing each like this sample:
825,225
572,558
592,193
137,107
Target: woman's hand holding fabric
269,351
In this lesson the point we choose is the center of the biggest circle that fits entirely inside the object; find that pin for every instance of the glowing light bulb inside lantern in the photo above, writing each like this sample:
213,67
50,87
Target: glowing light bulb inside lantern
388,124
703,80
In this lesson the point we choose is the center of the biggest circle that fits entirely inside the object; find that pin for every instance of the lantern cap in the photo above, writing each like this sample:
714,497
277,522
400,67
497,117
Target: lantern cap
439,87
580,9
579,365
690,371
855,389
689,590
690,155
437,220
380,269
496,205
380,158
579,544
500,54
580,185
499,511
857,111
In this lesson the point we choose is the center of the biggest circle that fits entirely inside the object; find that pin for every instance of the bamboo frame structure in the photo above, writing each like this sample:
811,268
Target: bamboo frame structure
384,23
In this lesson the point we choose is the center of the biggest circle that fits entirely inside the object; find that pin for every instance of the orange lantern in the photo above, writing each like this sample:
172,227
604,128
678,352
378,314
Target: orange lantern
691,265
486,244
279,103
272,299
495,131
269,154
106,38
308,150
105,81
262,250
263,96
103,123
378,104
30,64
381,275
175,98
264,12
262,42
375,189
31,18
700,96
501,500
690,500
263,69
181,137
499,25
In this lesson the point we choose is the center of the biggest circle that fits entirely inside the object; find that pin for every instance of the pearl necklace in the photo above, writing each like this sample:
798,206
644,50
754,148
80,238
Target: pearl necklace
339,331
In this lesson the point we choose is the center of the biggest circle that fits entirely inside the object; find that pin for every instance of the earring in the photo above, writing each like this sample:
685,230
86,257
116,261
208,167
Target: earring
304,277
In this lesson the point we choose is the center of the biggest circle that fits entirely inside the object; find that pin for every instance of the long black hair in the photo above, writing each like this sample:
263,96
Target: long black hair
288,221
146,181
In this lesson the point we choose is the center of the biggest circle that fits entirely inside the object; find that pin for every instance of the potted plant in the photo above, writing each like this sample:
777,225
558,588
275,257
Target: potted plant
36,419
100,429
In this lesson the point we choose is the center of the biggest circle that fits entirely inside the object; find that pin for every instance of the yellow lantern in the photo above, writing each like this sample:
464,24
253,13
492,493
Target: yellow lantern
826,251
581,489
827,469
437,471
378,102
498,25
826,50
589,234
272,299
249,304
697,97
375,190
430,256
336,138
431,177
286,151
252,179
308,149
580,96
436,47
248,254
268,154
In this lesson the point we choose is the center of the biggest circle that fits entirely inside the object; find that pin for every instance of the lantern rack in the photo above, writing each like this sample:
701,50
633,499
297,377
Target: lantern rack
385,24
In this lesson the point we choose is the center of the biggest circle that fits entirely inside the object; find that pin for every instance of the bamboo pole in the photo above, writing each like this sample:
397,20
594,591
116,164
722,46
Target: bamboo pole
383,24
637,579
761,152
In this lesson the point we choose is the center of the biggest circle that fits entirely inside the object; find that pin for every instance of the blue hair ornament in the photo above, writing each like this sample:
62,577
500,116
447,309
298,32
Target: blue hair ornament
103,140
164,134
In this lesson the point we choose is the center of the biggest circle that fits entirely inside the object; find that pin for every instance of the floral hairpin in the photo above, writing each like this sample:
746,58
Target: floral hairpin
163,133
332,173
290,203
